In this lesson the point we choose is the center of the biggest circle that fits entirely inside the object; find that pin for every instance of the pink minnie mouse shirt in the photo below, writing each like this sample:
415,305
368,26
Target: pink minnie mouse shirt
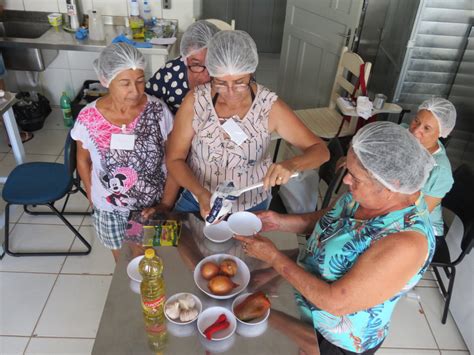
126,180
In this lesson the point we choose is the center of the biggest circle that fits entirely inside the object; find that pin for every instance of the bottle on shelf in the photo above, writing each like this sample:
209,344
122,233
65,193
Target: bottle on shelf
152,287
65,103
137,24
127,30
147,16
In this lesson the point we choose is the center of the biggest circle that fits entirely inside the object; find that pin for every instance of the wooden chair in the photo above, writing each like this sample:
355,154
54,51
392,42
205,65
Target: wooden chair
222,25
325,121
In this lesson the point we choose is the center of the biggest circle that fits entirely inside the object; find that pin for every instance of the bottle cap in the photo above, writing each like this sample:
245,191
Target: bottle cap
149,253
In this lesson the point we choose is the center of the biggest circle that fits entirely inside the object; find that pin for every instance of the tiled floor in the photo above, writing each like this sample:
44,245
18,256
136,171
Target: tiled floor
52,305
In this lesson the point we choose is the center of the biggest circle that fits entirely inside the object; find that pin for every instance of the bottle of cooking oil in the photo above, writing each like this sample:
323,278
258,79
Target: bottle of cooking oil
157,334
152,288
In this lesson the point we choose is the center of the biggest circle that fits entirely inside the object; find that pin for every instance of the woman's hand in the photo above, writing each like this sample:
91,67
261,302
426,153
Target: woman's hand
150,211
271,221
278,174
204,200
259,247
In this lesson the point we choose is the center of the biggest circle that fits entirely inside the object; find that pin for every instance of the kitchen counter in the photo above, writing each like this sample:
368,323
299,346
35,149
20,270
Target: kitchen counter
62,40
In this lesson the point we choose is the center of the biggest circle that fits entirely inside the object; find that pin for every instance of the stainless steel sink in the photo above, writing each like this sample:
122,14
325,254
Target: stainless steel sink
23,29
30,59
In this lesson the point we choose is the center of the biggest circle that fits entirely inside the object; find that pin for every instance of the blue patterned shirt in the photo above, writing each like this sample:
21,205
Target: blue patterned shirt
332,250
170,83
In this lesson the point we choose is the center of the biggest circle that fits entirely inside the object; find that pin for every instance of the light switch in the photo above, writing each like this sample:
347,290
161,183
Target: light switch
167,4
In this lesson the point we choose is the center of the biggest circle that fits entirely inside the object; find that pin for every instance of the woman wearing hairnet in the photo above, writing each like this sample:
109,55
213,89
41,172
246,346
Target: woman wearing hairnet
172,82
223,129
121,146
436,118
367,250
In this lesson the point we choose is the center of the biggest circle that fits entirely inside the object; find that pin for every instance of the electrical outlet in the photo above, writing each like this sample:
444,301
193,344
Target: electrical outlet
167,4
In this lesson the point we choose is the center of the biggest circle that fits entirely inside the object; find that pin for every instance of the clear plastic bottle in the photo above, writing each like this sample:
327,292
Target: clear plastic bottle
65,103
152,288
147,17
137,24
127,31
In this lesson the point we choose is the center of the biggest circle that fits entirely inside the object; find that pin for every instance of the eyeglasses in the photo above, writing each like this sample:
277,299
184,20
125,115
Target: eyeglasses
225,88
196,68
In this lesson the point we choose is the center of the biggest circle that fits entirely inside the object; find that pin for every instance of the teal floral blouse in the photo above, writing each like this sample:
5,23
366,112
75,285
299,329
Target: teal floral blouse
334,247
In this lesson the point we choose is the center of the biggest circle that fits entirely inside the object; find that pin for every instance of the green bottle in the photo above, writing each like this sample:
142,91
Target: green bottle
65,104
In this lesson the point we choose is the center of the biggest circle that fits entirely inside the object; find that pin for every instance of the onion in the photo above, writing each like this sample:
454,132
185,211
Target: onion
209,270
221,285
228,267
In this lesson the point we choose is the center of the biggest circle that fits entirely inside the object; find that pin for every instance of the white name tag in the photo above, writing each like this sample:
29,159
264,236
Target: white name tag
122,141
234,131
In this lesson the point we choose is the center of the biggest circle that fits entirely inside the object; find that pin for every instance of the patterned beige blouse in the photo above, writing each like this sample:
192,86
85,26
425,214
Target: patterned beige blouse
215,158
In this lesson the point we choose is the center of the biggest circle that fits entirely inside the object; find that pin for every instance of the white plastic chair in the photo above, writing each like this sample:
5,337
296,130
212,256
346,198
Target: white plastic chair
325,121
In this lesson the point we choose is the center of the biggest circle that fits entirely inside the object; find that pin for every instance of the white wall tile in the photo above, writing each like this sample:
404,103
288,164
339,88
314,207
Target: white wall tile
60,62
14,5
84,5
62,6
111,7
54,82
41,5
82,60
183,11
79,76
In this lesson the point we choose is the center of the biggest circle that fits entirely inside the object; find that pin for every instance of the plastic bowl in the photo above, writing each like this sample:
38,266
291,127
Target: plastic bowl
132,269
244,223
175,297
209,316
219,232
253,328
242,277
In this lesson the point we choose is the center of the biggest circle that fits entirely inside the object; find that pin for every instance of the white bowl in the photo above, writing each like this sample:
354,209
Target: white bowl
132,269
175,297
253,328
181,331
217,347
209,316
219,232
242,277
244,223
135,286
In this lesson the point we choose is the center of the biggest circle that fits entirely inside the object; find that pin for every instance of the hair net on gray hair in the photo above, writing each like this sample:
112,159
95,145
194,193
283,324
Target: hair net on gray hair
197,37
116,58
231,53
393,156
444,111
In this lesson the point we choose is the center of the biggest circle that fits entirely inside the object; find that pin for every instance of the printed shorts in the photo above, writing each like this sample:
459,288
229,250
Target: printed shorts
110,227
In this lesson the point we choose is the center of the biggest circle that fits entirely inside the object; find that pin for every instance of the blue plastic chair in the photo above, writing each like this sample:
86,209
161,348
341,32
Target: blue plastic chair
42,183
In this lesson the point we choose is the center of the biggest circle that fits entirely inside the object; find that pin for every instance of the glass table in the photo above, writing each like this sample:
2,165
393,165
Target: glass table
122,326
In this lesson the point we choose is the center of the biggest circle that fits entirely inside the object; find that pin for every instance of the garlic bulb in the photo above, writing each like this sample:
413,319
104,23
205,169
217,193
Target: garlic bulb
172,310
186,302
188,315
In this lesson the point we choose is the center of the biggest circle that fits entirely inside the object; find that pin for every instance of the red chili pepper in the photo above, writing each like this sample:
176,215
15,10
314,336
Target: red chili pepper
215,328
220,324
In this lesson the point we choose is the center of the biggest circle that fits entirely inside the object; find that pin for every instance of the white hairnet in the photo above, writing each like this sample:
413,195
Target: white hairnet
393,156
116,58
444,111
231,53
197,37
